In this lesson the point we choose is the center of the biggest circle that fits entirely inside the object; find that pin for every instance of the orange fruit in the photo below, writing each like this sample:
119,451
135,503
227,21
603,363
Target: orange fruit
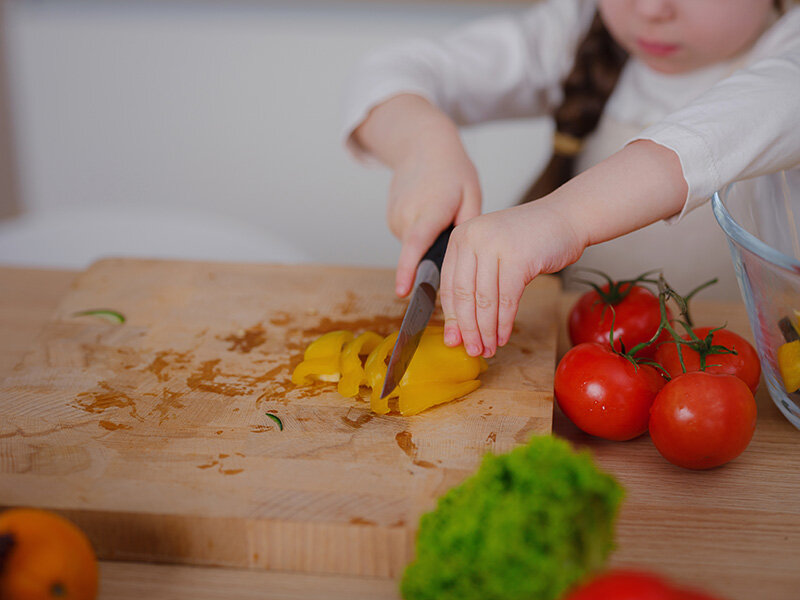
43,556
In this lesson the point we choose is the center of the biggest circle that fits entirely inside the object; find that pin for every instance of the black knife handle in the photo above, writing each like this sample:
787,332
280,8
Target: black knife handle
436,252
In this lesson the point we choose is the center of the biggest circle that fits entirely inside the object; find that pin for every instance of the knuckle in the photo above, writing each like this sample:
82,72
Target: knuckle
483,301
507,302
470,333
462,295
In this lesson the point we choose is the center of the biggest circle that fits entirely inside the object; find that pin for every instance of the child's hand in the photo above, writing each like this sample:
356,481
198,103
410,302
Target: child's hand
433,188
435,183
490,260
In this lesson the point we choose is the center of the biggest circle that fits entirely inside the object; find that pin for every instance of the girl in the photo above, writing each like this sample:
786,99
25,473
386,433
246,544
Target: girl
662,102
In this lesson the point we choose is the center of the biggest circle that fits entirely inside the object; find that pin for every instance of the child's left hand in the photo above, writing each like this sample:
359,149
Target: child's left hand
491,258
489,261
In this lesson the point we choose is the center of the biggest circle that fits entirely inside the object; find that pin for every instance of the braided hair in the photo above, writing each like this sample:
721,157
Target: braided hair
599,60
598,63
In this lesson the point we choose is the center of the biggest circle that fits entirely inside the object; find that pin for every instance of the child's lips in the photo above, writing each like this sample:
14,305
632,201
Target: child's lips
656,48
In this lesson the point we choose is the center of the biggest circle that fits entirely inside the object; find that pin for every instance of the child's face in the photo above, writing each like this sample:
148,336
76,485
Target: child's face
675,36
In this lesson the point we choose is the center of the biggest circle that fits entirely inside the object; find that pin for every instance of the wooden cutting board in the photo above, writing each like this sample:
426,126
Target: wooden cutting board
153,434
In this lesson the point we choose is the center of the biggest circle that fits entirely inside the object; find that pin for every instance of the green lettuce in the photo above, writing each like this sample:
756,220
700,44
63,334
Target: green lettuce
527,525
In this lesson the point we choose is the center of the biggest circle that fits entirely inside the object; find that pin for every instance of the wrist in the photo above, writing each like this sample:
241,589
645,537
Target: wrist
639,185
404,127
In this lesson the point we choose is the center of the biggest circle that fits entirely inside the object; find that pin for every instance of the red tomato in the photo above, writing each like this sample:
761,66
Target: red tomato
700,420
604,393
636,317
623,585
620,584
744,364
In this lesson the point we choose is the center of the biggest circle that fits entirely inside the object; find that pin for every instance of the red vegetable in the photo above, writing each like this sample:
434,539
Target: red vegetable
636,316
701,420
620,584
605,393
743,364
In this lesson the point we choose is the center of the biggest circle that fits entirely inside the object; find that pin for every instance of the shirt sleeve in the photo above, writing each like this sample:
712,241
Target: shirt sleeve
500,67
745,126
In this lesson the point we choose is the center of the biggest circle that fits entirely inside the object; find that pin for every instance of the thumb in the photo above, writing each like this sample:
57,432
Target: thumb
470,204
416,242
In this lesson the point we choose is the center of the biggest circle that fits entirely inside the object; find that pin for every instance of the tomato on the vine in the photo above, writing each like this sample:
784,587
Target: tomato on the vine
700,420
633,310
743,364
605,393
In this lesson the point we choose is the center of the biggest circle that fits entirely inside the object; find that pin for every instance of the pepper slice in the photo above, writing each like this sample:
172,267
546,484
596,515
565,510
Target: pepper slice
416,398
789,365
375,369
353,373
321,360
436,374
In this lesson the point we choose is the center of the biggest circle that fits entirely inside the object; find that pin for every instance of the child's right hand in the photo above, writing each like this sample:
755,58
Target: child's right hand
434,183
433,188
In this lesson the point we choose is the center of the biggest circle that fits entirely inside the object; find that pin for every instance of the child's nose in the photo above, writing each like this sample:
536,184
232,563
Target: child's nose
655,9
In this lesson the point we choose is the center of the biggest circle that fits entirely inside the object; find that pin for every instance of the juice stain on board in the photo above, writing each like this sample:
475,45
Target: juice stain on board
406,443
211,376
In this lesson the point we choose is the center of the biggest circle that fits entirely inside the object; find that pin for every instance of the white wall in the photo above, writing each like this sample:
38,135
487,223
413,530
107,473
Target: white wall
210,129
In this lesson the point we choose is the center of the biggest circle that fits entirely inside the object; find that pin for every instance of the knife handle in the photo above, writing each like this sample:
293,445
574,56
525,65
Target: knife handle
436,252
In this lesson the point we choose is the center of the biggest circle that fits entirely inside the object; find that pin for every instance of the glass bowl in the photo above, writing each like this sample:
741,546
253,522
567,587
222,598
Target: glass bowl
760,219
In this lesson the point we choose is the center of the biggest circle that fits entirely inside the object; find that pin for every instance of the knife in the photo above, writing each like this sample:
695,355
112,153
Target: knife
419,311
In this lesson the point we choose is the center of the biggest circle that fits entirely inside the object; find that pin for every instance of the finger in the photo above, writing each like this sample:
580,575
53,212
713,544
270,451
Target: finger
470,204
452,337
486,293
416,242
464,301
511,284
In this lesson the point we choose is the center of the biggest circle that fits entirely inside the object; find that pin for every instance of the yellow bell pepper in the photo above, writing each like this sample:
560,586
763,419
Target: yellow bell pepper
789,365
322,358
353,374
375,370
437,374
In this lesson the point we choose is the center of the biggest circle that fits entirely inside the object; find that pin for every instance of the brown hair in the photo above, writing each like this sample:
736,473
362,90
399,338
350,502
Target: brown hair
598,63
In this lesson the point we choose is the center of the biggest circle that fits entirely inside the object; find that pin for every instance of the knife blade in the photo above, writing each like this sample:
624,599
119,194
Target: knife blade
418,313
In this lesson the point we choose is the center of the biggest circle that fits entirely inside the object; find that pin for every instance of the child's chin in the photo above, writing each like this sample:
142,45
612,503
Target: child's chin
666,66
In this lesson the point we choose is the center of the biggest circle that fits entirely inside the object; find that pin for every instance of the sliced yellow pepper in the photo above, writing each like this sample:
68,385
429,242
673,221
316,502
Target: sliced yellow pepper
375,369
353,374
436,374
789,365
321,360
416,398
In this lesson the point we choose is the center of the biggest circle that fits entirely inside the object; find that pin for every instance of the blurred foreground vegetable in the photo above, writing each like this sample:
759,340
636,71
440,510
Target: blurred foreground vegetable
622,584
43,555
527,525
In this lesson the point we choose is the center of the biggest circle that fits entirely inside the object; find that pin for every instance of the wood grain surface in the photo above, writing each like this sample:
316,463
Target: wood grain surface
733,531
153,435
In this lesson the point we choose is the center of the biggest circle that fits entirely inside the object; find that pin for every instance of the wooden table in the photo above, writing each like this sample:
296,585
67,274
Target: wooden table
734,531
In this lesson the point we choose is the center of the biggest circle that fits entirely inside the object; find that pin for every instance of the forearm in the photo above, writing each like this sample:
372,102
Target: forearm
402,126
639,185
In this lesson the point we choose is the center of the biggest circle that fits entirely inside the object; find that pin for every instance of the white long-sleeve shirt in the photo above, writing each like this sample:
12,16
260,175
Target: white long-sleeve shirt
727,122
